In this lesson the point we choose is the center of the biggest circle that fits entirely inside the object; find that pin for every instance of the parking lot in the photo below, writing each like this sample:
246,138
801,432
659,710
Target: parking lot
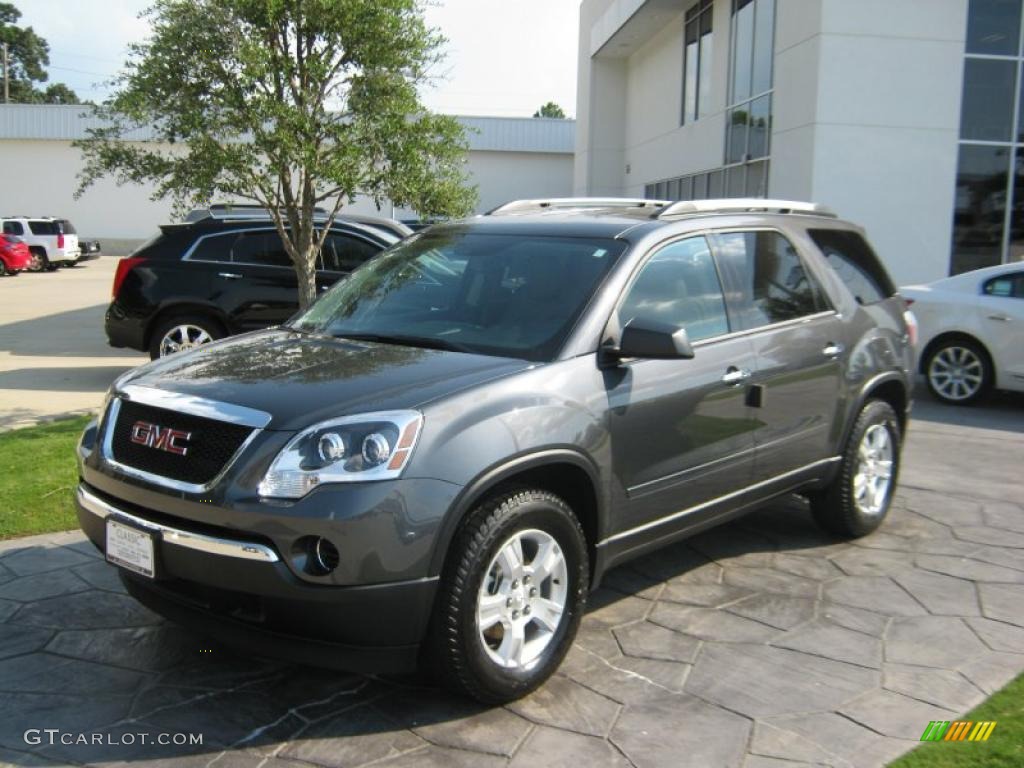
763,643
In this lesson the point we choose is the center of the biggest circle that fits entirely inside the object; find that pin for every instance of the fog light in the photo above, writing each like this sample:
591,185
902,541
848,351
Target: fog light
315,555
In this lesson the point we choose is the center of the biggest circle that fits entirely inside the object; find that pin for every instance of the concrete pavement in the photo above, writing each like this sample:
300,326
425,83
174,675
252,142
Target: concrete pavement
54,357
762,644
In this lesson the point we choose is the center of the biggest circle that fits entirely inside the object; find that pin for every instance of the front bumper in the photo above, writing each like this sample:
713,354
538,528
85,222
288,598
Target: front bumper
242,592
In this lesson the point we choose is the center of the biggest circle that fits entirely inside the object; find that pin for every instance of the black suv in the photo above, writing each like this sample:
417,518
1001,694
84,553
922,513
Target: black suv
224,271
445,453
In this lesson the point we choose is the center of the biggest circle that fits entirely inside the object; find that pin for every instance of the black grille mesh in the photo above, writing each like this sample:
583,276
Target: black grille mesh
211,446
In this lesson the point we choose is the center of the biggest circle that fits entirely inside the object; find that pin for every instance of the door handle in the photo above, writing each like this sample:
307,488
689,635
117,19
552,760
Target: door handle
735,375
229,275
1000,318
832,350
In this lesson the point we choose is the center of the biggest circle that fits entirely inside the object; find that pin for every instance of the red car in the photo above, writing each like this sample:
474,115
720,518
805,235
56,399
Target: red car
14,255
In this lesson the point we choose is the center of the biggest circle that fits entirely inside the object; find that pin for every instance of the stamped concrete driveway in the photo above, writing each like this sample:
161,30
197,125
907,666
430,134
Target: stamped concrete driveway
762,644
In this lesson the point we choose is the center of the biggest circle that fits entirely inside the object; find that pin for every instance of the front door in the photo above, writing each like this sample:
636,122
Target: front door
1001,308
681,432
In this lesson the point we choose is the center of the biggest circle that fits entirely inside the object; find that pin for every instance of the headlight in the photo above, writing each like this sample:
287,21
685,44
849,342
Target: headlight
353,449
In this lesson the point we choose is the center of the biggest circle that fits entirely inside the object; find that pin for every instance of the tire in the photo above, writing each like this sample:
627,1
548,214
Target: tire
40,262
470,661
200,330
4,271
841,508
958,372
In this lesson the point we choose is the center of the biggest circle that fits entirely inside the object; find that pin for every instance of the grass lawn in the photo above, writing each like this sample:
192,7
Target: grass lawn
37,478
1004,748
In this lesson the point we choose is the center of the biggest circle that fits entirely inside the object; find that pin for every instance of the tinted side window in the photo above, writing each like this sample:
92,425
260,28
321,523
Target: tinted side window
765,279
343,253
44,227
13,228
855,264
214,248
264,248
1011,286
679,286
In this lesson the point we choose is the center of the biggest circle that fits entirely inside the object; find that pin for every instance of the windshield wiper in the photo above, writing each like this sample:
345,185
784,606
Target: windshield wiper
424,342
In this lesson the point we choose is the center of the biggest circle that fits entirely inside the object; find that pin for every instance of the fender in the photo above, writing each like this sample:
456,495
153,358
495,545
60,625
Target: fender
862,396
497,473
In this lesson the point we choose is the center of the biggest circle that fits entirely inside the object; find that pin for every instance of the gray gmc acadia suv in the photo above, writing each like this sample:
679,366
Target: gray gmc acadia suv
441,457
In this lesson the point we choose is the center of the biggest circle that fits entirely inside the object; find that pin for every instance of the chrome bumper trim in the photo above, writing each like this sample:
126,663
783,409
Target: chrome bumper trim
212,545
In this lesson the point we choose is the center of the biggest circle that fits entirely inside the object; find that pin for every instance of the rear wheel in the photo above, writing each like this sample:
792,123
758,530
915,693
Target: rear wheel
39,262
958,372
511,596
857,500
181,333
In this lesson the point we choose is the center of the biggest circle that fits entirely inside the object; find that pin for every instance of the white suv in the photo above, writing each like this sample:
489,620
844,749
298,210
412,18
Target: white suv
53,242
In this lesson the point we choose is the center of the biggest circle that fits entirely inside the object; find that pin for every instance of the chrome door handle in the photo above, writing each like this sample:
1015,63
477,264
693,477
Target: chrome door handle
229,276
1000,318
832,350
736,376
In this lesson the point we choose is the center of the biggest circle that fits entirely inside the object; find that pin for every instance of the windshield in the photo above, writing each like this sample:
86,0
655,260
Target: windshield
509,296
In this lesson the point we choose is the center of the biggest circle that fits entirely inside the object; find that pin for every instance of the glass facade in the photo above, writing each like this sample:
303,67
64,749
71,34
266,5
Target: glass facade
988,222
697,61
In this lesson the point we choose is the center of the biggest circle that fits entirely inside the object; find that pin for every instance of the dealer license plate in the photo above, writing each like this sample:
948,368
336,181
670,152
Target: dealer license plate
130,547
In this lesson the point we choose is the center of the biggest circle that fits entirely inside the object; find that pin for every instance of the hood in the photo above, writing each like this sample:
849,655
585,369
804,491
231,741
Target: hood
301,380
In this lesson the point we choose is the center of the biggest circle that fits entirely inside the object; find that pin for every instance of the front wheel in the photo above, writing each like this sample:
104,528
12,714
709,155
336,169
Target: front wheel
958,372
511,597
857,500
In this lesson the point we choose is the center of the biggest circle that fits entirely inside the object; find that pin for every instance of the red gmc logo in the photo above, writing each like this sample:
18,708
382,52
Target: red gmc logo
162,438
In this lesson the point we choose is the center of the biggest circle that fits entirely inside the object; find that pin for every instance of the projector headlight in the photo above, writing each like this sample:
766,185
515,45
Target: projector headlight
352,449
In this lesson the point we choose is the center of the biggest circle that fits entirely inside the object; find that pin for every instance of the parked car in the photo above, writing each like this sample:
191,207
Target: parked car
972,332
90,250
447,451
53,242
225,272
14,255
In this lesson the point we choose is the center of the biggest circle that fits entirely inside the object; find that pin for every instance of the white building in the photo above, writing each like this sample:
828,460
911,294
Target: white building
508,158
903,115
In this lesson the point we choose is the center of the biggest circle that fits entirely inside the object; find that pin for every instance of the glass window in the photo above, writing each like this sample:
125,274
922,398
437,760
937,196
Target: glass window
1006,286
263,248
980,207
679,286
704,84
855,263
13,228
715,179
757,179
44,227
735,185
506,295
700,186
1016,237
764,46
686,188
765,279
743,49
214,248
987,107
673,190
760,127
993,27
697,66
690,76
344,253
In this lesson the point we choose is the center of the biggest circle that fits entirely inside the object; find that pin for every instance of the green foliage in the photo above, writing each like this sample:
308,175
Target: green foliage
38,477
28,56
550,110
290,104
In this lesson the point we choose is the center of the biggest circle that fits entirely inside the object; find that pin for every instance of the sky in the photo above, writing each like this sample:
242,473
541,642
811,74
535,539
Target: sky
504,57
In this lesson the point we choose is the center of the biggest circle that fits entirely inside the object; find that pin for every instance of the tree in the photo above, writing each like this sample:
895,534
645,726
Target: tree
289,104
550,110
28,56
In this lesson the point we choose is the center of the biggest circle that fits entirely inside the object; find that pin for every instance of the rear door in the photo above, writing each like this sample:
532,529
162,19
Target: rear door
342,253
798,341
681,431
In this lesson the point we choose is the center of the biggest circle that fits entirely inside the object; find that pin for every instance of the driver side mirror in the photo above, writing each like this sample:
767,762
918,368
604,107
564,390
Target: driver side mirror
651,340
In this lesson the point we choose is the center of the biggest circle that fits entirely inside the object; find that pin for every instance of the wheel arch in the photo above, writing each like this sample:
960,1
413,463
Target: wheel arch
562,471
890,387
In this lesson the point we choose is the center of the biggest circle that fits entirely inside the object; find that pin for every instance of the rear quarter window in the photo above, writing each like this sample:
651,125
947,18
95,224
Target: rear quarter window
44,227
851,258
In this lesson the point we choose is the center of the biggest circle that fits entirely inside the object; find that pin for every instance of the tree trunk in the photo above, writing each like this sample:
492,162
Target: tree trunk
305,270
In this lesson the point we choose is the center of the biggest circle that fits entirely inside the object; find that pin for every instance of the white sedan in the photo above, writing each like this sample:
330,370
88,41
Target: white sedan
971,332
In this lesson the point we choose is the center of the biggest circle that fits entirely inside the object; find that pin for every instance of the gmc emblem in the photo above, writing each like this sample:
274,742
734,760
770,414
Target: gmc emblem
162,438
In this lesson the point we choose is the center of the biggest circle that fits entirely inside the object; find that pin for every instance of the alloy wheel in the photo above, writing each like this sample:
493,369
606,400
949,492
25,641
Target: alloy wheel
873,476
522,599
956,373
183,337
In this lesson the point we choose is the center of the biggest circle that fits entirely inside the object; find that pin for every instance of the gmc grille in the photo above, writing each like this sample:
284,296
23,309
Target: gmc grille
210,448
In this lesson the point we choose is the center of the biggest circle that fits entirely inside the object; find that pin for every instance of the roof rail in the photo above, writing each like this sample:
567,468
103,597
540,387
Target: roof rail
743,205
235,211
569,203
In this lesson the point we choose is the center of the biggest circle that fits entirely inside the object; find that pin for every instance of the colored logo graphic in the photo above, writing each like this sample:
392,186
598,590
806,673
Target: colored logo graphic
958,730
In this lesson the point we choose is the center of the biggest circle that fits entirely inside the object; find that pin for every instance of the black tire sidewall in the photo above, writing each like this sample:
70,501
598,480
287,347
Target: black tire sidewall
986,371
480,676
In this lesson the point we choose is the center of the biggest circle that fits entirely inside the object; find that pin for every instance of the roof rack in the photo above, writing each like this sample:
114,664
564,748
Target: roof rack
228,211
569,203
743,205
